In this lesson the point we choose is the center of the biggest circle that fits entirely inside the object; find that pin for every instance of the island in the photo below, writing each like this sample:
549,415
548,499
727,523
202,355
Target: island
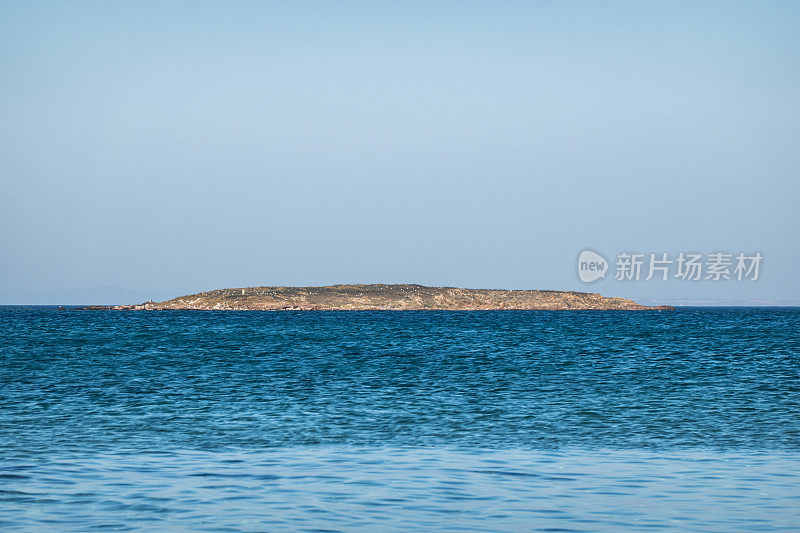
380,297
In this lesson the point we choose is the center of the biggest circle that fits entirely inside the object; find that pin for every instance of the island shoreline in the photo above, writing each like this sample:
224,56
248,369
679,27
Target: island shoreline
381,297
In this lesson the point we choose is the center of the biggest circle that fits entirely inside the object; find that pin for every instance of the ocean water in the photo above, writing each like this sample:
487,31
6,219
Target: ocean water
400,421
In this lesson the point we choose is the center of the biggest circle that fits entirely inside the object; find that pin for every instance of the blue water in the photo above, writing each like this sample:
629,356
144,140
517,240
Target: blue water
312,421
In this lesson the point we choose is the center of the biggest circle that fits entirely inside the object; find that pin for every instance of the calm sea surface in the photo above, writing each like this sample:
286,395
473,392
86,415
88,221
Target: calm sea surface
329,421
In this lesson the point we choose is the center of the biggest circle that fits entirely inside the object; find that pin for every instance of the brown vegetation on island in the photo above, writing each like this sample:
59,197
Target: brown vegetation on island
387,297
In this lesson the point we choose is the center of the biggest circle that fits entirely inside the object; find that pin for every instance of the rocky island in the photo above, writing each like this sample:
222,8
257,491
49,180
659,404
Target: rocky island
387,297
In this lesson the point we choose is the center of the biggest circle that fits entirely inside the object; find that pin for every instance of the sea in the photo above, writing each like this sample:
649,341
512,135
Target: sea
685,420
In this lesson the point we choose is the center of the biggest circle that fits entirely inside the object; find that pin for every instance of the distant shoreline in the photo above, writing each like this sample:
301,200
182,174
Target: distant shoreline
380,297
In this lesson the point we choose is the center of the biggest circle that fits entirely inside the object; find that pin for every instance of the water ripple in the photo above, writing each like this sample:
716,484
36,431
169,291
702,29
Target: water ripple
334,421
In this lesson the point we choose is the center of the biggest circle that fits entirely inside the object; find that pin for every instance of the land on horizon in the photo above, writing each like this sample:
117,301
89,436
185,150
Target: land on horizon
386,297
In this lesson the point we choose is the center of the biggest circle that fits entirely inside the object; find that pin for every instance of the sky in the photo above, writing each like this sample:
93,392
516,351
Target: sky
154,149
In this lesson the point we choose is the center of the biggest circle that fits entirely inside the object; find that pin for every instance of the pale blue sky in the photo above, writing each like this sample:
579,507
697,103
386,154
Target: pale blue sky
150,149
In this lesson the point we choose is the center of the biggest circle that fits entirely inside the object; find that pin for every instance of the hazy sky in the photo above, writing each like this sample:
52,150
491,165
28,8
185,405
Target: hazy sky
155,149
